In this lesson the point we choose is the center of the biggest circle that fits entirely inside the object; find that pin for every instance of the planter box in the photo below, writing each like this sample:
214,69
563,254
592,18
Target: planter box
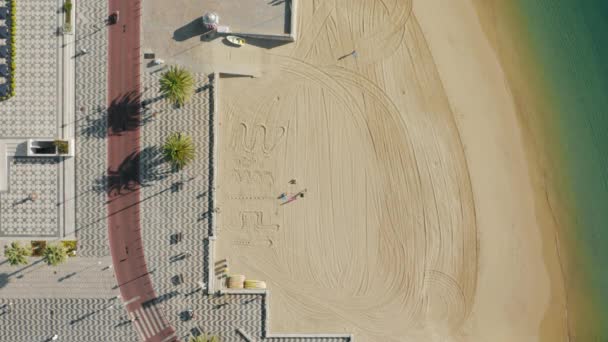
38,247
48,148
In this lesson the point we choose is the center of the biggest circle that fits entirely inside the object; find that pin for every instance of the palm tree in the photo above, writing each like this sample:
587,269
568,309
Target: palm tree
55,254
177,84
204,338
16,255
179,150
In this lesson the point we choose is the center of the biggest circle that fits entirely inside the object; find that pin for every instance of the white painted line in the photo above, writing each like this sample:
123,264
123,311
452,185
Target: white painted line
153,317
168,338
136,325
157,318
131,300
145,322
139,331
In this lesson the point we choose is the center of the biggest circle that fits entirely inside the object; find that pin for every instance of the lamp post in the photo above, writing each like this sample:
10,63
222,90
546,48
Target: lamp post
211,20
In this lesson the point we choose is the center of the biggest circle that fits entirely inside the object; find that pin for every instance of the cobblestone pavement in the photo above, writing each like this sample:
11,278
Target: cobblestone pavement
91,117
19,215
76,278
72,319
32,111
175,202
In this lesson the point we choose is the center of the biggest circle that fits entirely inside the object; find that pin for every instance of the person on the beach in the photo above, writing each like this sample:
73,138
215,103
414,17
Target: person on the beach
282,196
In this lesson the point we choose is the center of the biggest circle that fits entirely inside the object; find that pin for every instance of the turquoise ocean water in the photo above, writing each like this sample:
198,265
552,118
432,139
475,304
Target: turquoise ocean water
570,40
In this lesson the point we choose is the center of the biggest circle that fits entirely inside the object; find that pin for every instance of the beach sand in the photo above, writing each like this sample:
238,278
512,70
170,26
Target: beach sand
421,219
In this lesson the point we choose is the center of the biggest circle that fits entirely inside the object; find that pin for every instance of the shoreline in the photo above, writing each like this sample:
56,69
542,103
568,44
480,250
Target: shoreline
510,135
536,107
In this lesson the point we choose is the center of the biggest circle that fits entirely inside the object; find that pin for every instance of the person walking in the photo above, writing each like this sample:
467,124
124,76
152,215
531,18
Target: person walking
353,53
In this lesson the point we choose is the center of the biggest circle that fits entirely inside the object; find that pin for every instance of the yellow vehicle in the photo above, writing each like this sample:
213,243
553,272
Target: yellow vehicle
238,41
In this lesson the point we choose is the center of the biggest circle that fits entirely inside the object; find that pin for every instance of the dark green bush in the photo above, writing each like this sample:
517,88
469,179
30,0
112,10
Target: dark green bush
67,8
13,28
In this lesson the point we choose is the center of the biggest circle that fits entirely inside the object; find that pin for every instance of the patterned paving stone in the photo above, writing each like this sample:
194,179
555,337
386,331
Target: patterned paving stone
74,320
32,111
91,83
175,202
21,216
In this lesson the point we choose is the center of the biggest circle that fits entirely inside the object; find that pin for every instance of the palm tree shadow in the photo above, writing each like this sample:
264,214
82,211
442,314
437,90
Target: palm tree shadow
96,127
153,166
124,113
136,170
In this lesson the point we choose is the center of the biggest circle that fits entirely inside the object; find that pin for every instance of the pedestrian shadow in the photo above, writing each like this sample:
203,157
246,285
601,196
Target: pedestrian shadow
66,277
83,317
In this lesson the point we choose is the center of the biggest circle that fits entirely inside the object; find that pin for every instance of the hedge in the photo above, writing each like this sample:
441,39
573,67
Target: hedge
67,7
12,47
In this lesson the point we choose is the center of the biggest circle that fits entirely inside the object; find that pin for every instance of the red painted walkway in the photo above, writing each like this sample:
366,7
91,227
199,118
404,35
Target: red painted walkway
124,230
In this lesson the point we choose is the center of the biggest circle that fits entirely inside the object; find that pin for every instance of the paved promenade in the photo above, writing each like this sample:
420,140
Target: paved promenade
77,278
72,319
32,112
91,118
124,229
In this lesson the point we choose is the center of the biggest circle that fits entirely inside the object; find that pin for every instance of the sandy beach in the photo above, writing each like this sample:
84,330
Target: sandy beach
421,217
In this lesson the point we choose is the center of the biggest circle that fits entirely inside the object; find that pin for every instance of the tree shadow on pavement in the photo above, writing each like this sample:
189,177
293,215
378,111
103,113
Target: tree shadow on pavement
124,113
95,127
136,170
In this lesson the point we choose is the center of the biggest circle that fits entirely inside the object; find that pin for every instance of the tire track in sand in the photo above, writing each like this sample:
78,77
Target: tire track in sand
419,217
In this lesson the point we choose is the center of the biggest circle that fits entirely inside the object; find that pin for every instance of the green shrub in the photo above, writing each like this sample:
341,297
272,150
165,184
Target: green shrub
70,247
67,8
16,254
177,84
13,32
62,146
179,150
204,338
54,255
